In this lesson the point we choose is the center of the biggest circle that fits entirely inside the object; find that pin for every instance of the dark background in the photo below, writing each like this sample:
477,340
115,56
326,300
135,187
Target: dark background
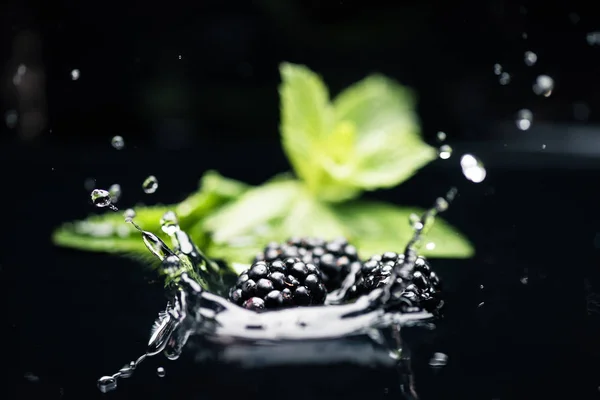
73,316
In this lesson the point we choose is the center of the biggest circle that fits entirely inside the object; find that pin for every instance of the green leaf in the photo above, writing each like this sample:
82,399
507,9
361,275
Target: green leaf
306,118
378,227
109,233
388,147
252,212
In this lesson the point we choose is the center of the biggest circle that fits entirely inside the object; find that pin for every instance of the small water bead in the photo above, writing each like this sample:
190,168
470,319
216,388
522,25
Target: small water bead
107,384
129,214
430,246
593,38
415,221
524,119
497,69
445,152
115,192
150,184
441,136
160,371
472,168
100,198
75,74
543,85
117,142
504,78
441,204
169,223
438,360
543,147
530,58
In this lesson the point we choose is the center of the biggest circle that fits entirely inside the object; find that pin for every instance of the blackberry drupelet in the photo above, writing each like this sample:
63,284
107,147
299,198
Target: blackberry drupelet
415,288
334,258
279,284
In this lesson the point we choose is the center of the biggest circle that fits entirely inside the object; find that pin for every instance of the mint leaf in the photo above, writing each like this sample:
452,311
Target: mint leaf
253,212
379,227
109,232
388,148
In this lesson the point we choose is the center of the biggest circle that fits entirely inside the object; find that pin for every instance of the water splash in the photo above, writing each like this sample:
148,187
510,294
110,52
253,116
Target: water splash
197,315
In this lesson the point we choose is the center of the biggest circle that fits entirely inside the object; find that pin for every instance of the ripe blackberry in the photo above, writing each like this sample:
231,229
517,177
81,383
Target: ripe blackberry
279,284
415,288
334,258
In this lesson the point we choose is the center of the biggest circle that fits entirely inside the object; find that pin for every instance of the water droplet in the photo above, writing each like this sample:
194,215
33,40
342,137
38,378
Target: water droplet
430,246
441,204
504,78
438,360
593,38
415,221
150,184
160,371
11,118
31,377
441,136
543,147
179,57
524,35
481,287
115,192
472,168
129,214
100,198
75,74
524,119
543,85
117,142
445,152
530,58
497,69
169,223
107,384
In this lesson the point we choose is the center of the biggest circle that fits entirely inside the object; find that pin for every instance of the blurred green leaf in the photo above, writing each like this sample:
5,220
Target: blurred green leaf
110,233
379,227
388,147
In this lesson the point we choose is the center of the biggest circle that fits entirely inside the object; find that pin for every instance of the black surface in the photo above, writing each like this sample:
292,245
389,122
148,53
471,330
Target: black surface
73,316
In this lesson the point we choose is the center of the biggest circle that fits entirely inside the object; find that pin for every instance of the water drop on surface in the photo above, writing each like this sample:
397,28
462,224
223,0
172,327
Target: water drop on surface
160,371
445,152
150,184
107,384
497,69
530,58
543,85
75,74
100,198
441,136
472,168
117,142
115,192
504,78
524,119
438,360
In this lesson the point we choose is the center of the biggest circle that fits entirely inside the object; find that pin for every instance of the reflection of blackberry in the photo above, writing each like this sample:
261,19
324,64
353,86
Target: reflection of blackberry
333,258
415,288
279,284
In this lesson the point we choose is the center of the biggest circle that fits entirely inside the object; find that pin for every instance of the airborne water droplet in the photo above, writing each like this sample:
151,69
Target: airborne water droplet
438,360
100,198
530,58
115,192
441,136
497,69
129,214
117,142
543,85
107,384
160,371
472,168
169,223
150,184
445,152
504,78
75,74
524,119
593,38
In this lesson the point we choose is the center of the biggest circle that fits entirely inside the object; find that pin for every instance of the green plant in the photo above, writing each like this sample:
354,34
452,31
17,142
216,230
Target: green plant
366,138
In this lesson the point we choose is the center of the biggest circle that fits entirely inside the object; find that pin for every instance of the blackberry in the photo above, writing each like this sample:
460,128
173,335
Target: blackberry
415,288
279,284
334,258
